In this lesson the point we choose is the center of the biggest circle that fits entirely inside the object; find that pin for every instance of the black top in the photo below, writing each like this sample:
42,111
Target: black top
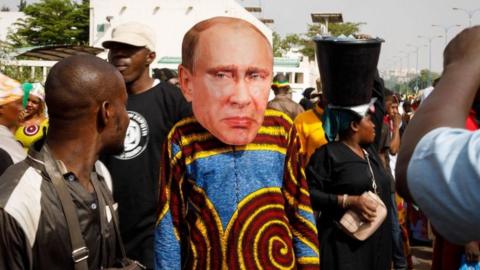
334,169
5,160
135,172
384,149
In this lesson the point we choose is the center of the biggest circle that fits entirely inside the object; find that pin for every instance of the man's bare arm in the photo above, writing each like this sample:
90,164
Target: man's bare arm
449,103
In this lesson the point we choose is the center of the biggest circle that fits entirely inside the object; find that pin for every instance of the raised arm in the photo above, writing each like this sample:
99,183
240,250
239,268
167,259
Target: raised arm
449,103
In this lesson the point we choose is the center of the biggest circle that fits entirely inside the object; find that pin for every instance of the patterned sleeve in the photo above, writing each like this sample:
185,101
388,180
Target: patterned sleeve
167,245
301,136
298,207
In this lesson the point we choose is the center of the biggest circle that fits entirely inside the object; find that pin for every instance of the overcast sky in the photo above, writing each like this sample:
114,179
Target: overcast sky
399,22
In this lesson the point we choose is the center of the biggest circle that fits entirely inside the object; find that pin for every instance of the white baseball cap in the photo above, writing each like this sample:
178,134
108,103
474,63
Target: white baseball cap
132,33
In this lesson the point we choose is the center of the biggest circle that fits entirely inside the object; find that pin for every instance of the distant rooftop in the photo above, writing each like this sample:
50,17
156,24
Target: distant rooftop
267,21
55,52
253,9
327,17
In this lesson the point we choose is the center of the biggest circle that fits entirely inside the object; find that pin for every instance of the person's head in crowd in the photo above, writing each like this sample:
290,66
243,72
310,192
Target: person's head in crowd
83,103
407,106
391,103
166,75
280,84
33,101
10,106
308,92
319,98
131,51
350,123
226,72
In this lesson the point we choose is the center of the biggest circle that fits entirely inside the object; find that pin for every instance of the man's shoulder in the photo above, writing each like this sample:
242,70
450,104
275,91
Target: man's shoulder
20,197
166,89
308,116
160,91
18,179
185,128
277,118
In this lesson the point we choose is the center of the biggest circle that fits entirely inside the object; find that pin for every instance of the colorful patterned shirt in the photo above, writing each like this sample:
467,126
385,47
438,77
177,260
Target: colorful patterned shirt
234,207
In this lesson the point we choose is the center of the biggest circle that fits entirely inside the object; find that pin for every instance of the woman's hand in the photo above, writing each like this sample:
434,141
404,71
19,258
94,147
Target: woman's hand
364,206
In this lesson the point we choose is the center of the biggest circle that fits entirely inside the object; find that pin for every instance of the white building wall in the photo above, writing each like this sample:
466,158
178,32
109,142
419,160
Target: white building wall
169,18
7,20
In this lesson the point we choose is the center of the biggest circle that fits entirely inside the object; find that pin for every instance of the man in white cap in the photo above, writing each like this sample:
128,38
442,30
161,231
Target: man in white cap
153,108
10,107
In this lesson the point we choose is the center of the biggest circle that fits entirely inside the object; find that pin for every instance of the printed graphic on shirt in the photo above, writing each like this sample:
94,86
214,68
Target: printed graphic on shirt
136,139
31,130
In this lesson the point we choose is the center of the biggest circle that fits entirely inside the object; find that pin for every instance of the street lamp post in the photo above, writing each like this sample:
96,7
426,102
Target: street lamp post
446,28
407,56
469,13
430,55
416,65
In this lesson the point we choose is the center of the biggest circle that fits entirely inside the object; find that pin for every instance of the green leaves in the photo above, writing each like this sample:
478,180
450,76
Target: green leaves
51,22
304,43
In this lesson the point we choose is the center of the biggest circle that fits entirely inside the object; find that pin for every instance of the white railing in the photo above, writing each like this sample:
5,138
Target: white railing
38,69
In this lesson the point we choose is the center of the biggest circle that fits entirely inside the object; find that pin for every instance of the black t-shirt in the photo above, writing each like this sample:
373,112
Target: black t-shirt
135,172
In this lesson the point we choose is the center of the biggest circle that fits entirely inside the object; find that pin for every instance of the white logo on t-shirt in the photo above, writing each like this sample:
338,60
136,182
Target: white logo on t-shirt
136,139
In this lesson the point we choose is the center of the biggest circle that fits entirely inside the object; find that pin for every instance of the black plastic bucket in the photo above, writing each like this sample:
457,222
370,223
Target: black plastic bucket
347,68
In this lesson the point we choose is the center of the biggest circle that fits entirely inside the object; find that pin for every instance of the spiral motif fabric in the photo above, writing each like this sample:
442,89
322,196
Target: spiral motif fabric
206,244
259,236
234,207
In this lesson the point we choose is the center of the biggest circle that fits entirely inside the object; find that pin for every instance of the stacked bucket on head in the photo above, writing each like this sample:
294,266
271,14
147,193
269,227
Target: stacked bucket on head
347,68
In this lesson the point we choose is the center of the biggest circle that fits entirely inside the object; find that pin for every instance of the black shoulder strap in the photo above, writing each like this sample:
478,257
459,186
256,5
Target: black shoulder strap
79,248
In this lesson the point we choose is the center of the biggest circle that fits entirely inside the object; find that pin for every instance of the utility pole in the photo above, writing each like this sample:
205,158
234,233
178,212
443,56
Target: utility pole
430,55
446,28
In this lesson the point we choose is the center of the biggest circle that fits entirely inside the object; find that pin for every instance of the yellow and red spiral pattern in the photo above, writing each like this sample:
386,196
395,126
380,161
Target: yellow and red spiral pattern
206,233
259,235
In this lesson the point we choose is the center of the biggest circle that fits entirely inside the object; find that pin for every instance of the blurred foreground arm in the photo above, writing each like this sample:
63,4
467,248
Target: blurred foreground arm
437,163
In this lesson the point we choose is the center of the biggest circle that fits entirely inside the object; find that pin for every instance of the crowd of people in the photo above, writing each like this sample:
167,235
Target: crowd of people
111,166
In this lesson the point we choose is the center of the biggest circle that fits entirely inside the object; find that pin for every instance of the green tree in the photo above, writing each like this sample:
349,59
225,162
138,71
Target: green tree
22,5
423,79
336,29
276,43
282,45
53,22
304,42
409,87
348,28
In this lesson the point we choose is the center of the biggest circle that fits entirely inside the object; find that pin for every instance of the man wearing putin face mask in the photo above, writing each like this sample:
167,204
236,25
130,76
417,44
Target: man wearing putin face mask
233,194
